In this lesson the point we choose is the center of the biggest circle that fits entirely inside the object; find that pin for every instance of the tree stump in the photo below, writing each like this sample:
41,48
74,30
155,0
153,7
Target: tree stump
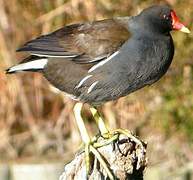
125,158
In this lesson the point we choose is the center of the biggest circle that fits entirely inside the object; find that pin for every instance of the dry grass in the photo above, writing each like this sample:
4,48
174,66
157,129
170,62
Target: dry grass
34,120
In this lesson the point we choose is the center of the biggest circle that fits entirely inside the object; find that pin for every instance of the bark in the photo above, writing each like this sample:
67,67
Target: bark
125,158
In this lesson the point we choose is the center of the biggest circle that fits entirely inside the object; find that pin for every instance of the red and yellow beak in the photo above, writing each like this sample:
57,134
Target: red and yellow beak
177,25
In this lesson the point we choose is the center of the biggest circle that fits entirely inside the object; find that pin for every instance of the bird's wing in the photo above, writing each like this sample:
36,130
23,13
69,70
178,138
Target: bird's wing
82,43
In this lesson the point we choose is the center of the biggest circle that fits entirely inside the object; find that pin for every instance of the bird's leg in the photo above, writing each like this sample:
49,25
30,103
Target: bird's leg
104,132
87,141
83,132
113,135
100,122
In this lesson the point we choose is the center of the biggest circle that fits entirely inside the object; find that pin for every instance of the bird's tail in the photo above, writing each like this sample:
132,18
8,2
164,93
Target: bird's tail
31,63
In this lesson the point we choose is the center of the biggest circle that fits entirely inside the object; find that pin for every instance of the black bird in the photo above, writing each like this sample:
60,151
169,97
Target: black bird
100,61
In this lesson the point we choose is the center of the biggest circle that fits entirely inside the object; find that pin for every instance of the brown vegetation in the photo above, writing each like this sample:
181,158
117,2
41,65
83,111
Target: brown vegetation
35,120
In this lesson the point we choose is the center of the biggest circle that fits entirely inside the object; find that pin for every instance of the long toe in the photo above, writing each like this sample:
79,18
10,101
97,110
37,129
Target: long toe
140,146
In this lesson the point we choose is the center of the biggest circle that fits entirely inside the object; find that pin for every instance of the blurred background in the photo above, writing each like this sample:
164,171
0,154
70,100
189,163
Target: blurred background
36,121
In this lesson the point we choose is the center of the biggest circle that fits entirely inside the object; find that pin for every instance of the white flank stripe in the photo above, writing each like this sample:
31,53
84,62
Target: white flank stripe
103,62
37,64
92,86
82,81
46,55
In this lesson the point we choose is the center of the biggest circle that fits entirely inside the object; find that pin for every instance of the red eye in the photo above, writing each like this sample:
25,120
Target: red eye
166,17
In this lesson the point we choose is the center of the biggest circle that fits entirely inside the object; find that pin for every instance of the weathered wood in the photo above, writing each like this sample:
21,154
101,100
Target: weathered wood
125,159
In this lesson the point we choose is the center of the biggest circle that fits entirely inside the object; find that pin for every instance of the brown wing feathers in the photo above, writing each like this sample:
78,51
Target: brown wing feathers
83,43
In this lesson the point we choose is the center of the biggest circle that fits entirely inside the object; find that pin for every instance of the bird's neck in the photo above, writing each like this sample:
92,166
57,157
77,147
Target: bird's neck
144,26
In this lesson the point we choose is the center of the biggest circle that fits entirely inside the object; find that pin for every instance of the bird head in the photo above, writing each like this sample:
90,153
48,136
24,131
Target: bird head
163,19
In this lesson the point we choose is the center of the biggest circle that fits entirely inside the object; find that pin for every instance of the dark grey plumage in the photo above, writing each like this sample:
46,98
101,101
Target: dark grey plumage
104,60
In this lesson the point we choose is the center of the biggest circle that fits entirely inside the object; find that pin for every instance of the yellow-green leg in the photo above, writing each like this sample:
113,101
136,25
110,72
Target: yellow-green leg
101,124
87,141
113,135
83,132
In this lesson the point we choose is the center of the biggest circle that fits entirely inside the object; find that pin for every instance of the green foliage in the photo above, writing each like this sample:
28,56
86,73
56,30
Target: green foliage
177,110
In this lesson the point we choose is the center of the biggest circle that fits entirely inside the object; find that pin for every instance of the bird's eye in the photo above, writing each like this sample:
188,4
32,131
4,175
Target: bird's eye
165,17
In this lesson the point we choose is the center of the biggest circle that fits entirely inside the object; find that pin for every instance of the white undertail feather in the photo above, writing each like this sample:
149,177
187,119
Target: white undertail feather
32,65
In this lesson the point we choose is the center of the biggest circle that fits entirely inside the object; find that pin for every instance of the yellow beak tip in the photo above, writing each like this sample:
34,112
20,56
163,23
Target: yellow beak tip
185,29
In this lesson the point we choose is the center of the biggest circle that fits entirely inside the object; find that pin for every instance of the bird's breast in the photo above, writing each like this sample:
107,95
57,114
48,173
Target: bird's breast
156,59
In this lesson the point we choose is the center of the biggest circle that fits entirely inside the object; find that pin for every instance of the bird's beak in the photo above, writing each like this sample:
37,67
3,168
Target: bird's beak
184,29
177,25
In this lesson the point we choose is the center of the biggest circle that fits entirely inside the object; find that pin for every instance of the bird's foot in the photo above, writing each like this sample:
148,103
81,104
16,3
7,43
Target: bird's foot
113,136
90,148
140,146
